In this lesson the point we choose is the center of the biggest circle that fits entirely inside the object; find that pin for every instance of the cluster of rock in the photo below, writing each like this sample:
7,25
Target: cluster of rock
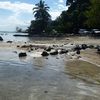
56,49
53,51
75,48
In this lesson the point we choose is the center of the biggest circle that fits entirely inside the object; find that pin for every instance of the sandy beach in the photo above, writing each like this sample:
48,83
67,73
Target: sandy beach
75,77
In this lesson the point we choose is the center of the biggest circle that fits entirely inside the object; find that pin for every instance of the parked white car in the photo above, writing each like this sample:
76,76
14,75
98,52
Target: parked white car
96,31
83,31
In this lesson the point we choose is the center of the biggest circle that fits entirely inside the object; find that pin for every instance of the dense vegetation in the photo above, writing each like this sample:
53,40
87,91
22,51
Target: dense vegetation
80,14
42,19
93,14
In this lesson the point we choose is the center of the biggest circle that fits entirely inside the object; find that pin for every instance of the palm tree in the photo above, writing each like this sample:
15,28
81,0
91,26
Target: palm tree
42,17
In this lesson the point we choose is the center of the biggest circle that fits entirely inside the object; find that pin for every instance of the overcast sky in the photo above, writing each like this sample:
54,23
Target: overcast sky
19,12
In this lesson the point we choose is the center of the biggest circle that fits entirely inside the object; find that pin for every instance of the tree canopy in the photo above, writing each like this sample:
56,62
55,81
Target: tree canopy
80,14
42,18
93,14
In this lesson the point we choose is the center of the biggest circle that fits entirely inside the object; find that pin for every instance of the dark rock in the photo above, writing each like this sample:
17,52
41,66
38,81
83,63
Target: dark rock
84,46
45,91
57,58
15,52
98,50
91,46
24,46
18,46
63,51
77,48
9,41
22,54
44,53
1,39
48,49
55,52
97,47
78,52
32,49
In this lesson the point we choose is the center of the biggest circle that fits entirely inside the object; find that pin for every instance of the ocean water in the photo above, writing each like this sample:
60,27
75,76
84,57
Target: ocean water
8,36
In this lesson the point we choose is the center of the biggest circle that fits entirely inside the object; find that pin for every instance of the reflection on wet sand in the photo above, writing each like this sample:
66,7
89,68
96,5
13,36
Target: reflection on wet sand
83,70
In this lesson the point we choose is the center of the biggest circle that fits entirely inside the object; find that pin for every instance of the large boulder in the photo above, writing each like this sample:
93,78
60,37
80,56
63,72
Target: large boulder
45,53
22,54
1,39
54,52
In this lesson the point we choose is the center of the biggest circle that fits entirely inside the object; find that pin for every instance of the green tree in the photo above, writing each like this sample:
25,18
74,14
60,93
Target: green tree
93,14
42,18
72,19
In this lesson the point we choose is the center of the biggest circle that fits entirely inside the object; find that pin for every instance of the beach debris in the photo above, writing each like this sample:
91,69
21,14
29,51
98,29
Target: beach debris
45,53
1,39
22,54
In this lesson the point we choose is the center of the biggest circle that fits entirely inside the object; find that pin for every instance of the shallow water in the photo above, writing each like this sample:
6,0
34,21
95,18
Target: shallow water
40,78
8,36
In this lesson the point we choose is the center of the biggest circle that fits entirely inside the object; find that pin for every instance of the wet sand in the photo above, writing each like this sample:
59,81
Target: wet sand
84,70
48,78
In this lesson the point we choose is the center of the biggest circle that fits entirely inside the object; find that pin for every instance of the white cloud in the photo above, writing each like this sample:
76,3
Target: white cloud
18,9
61,1
55,14
17,6
13,19
59,8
